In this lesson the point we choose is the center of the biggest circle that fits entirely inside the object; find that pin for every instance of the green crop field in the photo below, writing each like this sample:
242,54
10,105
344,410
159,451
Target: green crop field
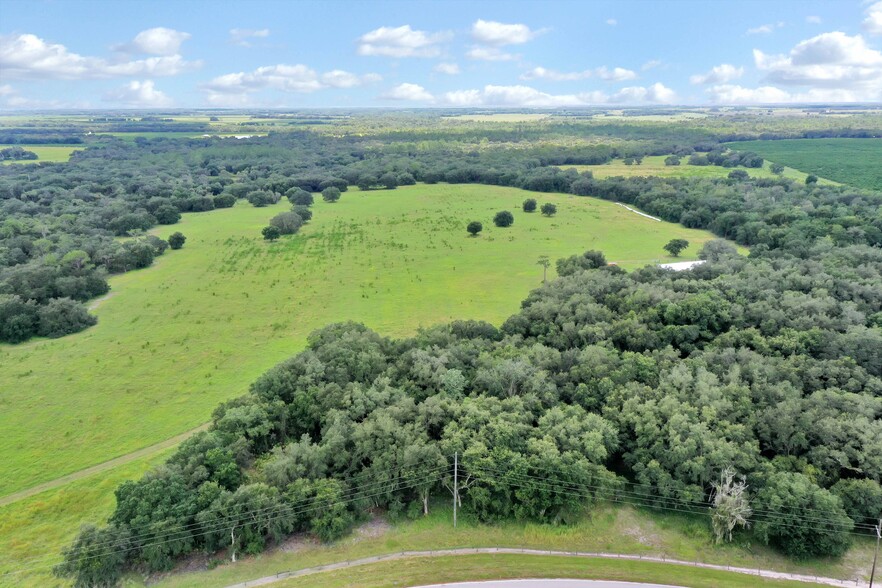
198,327
855,162
51,153
654,165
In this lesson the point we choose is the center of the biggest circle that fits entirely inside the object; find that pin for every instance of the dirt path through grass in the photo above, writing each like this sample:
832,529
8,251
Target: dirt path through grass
770,574
115,462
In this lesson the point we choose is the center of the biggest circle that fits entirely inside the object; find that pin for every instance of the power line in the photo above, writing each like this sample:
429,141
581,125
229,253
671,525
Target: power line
273,512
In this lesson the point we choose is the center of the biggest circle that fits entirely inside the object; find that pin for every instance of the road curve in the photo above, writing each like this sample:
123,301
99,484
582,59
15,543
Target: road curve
547,583
107,465
505,550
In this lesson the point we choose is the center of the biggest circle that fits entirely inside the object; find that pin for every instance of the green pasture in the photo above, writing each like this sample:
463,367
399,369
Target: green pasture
198,327
654,165
855,162
51,153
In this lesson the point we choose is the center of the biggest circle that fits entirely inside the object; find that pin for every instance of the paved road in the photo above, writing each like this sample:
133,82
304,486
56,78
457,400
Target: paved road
340,565
121,460
549,583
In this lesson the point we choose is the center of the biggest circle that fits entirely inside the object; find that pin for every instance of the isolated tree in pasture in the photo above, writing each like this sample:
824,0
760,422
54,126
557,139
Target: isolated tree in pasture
299,197
288,223
549,209
271,233
544,262
529,205
730,506
811,179
777,169
176,240
628,161
331,194
672,160
474,228
389,180
503,219
304,212
739,175
675,246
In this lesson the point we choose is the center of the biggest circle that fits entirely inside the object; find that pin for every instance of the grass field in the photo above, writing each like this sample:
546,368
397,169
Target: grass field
35,530
174,340
609,528
855,162
654,165
500,117
51,153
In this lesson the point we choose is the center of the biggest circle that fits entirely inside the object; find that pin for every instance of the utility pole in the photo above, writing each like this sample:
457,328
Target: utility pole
876,554
455,481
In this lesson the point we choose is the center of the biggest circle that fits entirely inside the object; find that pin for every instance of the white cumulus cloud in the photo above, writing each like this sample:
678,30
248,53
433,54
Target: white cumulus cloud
408,92
718,75
616,74
529,97
139,94
873,22
832,61
157,41
401,41
233,89
765,29
450,69
490,32
612,22
241,37
480,53
28,56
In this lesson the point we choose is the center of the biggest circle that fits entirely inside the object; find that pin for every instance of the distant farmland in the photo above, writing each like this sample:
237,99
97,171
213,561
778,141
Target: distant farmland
855,162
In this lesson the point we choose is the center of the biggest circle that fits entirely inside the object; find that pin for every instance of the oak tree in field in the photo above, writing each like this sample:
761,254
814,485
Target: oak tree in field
299,197
672,160
777,169
176,240
529,205
271,233
389,180
549,209
811,179
288,223
474,228
503,219
331,194
675,246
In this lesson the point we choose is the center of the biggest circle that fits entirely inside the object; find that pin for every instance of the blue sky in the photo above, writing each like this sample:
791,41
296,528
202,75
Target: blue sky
189,53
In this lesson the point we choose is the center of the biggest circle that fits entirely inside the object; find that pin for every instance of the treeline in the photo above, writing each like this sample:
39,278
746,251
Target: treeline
16,154
606,385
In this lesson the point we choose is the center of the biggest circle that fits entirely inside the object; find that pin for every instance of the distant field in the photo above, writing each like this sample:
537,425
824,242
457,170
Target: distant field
501,117
856,162
655,166
50,153
200,326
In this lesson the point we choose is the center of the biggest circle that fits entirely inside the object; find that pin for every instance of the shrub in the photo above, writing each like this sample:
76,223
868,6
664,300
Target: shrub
331,194
503,219
529,205
549,209
176,240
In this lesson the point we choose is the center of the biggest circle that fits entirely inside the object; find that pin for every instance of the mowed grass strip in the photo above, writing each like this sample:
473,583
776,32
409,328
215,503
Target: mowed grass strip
469,568
855,162
608,528
47,153
654,165
197,328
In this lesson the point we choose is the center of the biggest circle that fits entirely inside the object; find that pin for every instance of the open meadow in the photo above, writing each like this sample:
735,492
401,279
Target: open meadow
855,162
654,165
46,153
174,340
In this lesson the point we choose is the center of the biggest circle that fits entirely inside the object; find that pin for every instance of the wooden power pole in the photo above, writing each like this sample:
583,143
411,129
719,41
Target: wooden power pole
455,482
876,554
